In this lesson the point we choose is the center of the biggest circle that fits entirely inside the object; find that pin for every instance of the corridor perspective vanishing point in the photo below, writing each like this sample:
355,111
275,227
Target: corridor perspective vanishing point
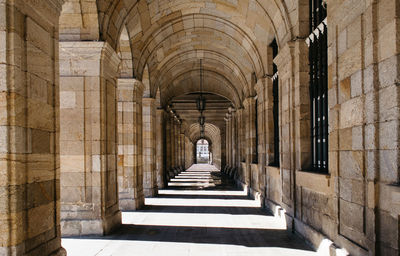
188,127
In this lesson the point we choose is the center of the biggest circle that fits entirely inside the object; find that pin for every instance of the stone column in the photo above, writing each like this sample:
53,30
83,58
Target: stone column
88,138
130,172
29,132
250,138
262,125
172,142
178,145
250,109
228,140
223,147
234,138
168,156
189,146
182,152
149,147
176,142
159,148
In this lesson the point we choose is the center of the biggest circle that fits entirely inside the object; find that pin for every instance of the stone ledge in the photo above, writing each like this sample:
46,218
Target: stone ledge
322,244
316,182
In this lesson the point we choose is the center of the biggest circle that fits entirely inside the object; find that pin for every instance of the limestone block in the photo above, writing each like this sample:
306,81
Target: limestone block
345,139
371,164
389,70
371,108
357,138
388,103
369,79
350,215
388,166
67,99
386,129
351,113
344,90
350,61
387,42
351,164
356,84
45,213
39,37
388,226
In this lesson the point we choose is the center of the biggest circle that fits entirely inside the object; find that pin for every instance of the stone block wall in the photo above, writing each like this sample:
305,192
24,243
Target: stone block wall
29,131
355,204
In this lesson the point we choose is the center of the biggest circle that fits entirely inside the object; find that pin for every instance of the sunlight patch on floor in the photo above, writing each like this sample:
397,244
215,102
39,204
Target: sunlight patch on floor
192,180
209,220
202,202
202,192
104,247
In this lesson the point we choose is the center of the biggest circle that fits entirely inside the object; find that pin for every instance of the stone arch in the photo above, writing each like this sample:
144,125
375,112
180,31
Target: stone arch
124,51
259,21
213,134
79,21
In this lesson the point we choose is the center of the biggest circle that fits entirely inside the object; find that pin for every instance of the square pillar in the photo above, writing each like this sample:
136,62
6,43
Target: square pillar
130,154
88,138
29,131
159,148
149,147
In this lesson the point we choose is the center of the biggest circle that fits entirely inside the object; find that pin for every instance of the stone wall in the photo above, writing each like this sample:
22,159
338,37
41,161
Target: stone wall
355,205
29,131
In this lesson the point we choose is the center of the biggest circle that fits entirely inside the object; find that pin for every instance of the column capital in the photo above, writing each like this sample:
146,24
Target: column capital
87,59
148,101
131,83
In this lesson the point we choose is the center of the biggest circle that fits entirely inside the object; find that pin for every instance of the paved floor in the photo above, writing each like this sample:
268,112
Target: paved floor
201,213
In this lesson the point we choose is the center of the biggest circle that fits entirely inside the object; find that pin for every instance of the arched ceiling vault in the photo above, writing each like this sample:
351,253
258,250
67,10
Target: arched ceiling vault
211,132
168,38
213,83
185,108
239,30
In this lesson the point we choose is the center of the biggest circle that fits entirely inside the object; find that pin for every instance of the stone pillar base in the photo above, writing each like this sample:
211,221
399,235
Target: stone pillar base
150,192
72,228
60,252
131,204
112,222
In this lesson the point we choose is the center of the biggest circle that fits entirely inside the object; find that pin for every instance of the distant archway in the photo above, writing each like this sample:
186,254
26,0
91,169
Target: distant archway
203,153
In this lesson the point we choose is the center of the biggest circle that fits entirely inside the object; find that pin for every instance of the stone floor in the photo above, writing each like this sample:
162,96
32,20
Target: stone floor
201,213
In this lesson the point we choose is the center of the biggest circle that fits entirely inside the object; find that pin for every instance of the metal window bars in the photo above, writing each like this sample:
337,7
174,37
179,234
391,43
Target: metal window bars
275,109
318,58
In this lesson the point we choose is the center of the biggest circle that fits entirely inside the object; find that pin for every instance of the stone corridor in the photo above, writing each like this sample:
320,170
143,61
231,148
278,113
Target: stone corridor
201,213
107,107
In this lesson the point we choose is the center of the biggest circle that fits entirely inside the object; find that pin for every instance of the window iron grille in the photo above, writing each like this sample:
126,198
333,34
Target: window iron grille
318,58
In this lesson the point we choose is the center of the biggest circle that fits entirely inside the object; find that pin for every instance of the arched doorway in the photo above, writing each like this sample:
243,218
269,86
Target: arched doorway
203,154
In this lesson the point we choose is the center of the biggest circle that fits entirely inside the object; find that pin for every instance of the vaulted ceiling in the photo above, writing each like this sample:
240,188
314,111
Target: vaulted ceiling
163,41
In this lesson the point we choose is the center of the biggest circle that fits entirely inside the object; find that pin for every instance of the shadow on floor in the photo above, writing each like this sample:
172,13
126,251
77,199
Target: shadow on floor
201,222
